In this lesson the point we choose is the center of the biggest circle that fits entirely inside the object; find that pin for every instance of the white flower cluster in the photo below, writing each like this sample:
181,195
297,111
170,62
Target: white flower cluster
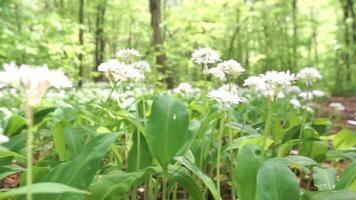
129,71
127,53
33,81
337,106
309,74
184,88
307,96
224,97
229,68
205,56
271,84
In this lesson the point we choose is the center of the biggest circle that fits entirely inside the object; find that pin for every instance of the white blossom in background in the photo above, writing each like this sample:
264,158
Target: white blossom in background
205,56
293,90
306,96
183,88
3,139
119,71
318,93
217,73
33,81
337,106
309,74
271,84
309,109
142,66
127,53
230,87
295,103
224,97
231,68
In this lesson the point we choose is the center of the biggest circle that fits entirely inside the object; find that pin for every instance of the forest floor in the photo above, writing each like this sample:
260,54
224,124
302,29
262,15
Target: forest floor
349,113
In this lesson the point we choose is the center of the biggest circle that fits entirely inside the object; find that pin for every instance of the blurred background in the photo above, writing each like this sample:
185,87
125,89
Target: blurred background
78,35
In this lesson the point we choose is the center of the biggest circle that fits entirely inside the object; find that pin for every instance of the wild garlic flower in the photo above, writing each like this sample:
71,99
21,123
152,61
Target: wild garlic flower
33,81
216,72
293,90
205,56
295,103
309,74
142,66
306,96
231,68
3,139
183,88
271,84
119,71
337,106
224,97
127,53
318,93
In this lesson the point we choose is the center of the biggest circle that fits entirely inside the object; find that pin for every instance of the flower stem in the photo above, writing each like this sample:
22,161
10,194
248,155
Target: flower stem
164,183
267,128
221,131
306,102
29,151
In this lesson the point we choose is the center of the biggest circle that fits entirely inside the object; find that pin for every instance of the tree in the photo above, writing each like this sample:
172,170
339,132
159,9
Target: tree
81,42
158,41
99,33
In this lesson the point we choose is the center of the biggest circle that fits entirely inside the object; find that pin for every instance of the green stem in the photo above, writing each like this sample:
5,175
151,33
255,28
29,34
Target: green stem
29,151
304,114
266,131
221,131
164,183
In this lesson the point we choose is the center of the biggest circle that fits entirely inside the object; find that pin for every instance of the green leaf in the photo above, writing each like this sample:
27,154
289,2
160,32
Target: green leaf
205,179
314,149
115,184
80,171
39,115
167,129
275,181
59,141
42,188
245,174
284,149
185,180
6,153
324,179
14,125
348,179
139,155
74,142
330,195
344,139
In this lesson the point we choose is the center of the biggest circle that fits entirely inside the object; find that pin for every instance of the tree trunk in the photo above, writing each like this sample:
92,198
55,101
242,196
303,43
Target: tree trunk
99,34
346,55
295,32
158,41
81,42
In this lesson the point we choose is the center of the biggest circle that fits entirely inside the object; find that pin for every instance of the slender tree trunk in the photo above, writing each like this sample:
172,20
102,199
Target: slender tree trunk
346,57
99,34
295,32
81,42
158,41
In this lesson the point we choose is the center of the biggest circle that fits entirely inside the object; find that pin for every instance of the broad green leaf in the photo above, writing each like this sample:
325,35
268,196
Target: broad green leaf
245,173
277,133
115,184
14,125
324,179
348,179
59,141
205,179
74,141
167,129
344,139
42,188
80,171
6,153
185,180
314,149
139,155
275,181
244,128
284,149
330,195
39,115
